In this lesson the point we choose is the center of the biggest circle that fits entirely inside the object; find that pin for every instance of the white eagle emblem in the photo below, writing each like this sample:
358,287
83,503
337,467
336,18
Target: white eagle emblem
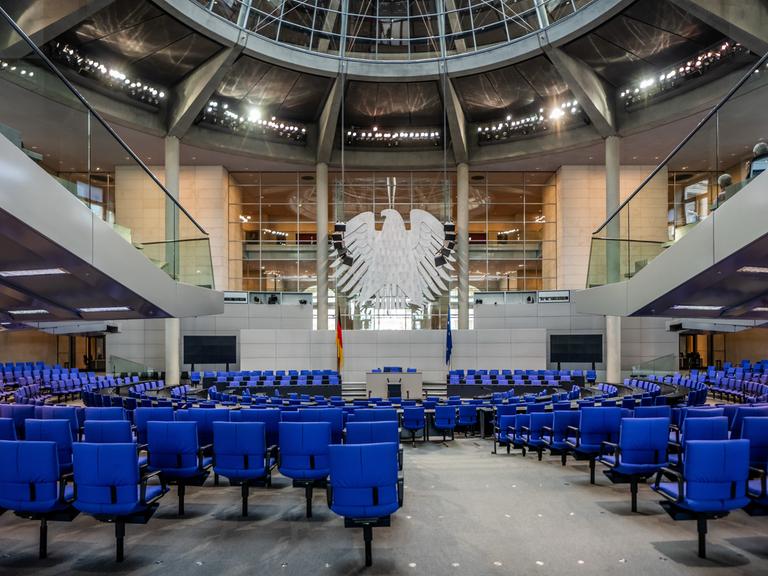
394,267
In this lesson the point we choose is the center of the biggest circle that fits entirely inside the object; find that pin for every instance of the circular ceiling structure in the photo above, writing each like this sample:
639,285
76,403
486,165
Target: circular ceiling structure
393,30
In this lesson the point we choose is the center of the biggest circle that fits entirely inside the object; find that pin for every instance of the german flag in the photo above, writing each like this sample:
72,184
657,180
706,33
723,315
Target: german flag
339,343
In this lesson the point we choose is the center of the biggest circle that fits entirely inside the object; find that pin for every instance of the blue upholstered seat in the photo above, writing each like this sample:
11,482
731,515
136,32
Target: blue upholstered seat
110,487
445,420
712,483
414,420
269,416
7,429
755,429
240,454
205,417
375,433
304,455
364,486
374,415
534,432
467,417
175,452
653,412
108,413
501,437
698,429
143,415
57,431
31,484
596,425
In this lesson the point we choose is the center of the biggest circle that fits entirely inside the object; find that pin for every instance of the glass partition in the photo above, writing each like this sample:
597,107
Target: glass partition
723,153
46,117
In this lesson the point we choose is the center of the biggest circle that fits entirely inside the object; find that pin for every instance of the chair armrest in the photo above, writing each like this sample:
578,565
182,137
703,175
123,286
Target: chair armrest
610,447
143,483
674,475
64,479
201,454
676,429
576,433
548,430
763,480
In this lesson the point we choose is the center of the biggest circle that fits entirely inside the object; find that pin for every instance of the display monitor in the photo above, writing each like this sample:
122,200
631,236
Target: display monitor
210,349
576,348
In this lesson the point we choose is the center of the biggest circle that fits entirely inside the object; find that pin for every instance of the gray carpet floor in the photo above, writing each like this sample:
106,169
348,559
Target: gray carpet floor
465,512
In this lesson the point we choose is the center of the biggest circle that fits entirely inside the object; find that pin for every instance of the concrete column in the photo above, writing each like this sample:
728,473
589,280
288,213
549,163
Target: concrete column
462,242
613,255
321,263
172,325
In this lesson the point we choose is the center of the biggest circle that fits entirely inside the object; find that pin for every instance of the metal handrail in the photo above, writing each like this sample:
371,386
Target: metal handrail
39,53
685,140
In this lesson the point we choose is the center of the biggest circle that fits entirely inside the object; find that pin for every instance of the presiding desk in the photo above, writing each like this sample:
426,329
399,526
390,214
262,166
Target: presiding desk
406,385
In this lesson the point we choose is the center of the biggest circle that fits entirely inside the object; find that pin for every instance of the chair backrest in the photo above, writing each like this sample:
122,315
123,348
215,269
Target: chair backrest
704,413
705,429
363,479
334,416
653,412
599,424
304,448
106,478
716,471
7,429
28,464
143,415
269,416
413,417
62,413
372,432
205,417
537,421
746,412
108,432
108,413
468,412
644,440
755,429
172,445
375,415
445,416
57,431
239,445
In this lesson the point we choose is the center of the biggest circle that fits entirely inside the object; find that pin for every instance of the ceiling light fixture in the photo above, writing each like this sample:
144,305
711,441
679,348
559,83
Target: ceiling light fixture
696,307
38,272
753,269
105,309
28,312
760,309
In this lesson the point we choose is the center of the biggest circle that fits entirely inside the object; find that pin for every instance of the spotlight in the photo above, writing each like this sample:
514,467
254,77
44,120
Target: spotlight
440,260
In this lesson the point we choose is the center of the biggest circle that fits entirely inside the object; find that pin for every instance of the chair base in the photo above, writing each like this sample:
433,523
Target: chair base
367,524
309,486
182,483
755,509
681,514
120,522
633,481
66,515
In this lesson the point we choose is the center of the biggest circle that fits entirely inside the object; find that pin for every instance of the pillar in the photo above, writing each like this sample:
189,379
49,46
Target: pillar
462,242
613,256
172,325
321,262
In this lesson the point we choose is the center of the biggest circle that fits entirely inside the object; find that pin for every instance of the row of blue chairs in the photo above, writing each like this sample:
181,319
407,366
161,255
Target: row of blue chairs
634,446
111,476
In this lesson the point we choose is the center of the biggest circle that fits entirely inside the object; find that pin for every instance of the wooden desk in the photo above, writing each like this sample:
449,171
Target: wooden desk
411,384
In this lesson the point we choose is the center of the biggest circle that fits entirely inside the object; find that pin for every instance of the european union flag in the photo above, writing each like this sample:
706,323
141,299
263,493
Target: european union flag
448,339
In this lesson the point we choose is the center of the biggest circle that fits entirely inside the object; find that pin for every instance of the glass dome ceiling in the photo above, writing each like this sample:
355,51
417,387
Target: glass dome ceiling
393,29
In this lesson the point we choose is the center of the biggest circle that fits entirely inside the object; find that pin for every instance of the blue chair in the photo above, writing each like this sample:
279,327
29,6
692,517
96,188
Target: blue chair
110,487
501,437
596,425
142,415
269,416
303,455
534,432
57,431
173,450
334,416
413,420
18,413
108,413
713,482
640,452
444,420
467,418
653,412
205,417
556,438
374,415
32,486
746,412
755,429
240,454
7,429
697,429
364,487
375,433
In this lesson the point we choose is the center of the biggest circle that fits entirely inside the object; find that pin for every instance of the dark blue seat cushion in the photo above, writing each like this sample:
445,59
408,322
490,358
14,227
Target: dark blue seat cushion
364,480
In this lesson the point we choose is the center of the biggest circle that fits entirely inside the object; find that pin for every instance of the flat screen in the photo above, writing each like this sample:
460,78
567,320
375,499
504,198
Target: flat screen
584,348
210,349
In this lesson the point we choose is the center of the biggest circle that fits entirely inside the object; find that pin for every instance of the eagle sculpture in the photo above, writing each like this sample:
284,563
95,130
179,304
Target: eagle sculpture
394,267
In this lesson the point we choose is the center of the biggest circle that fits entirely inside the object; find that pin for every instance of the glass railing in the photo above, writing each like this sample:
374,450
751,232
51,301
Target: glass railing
385,30
118,365
723,153
661,366
47,117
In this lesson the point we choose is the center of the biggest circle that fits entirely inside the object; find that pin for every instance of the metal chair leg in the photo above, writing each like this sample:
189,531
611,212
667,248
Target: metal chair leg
43,538
120,538
182,490
244,492
701,525
368,537
308,494
633,490
591,470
